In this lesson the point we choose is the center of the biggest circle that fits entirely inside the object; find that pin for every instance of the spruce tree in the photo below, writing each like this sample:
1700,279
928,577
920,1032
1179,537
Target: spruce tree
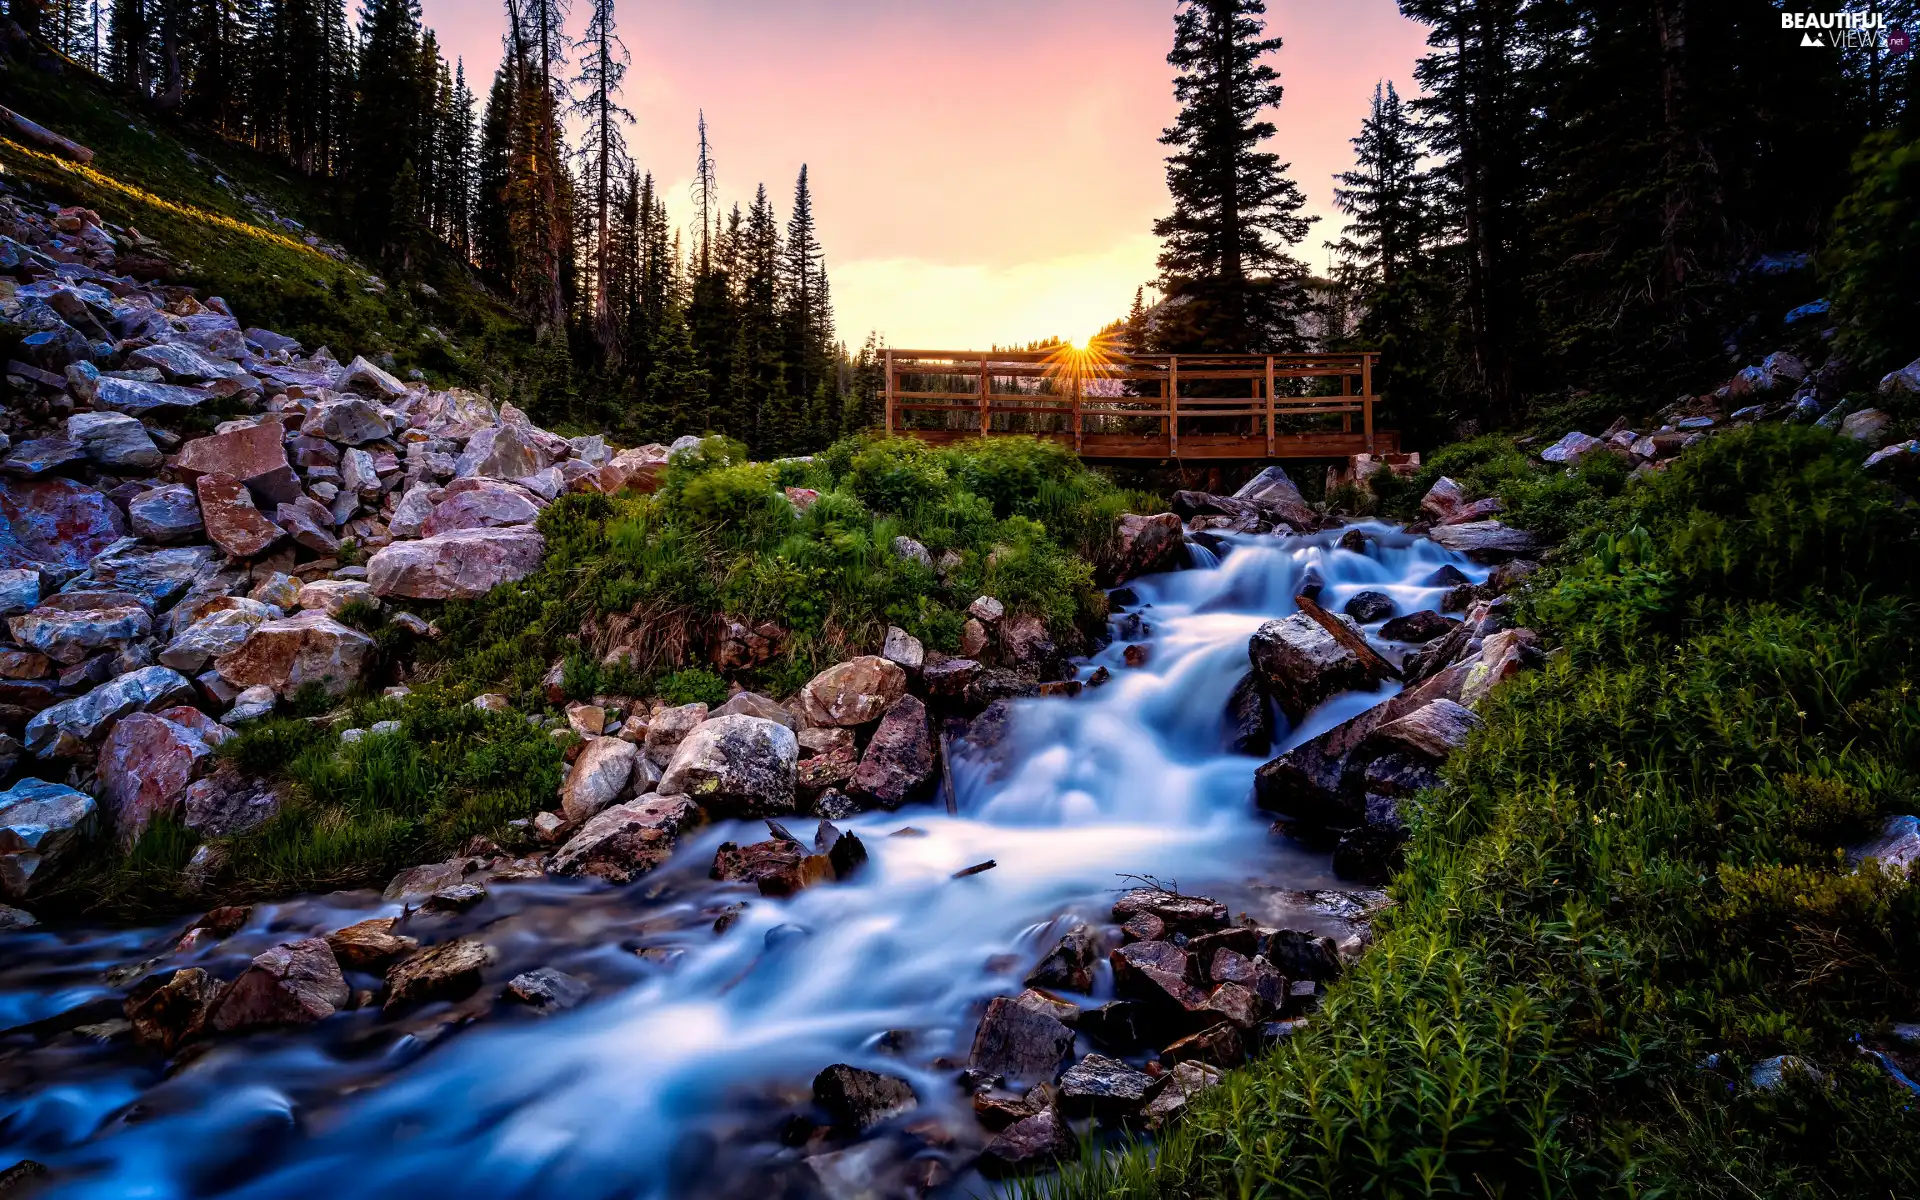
809,319
1223,258
603,154
493,169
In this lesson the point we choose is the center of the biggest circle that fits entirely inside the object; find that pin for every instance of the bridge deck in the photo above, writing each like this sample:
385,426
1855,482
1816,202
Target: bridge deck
1142,406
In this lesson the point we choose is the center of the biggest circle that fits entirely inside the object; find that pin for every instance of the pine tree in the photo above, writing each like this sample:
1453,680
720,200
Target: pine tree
809,318
1234,208
461,167
603,154
706,198
389,119
537,190
761,407
493,171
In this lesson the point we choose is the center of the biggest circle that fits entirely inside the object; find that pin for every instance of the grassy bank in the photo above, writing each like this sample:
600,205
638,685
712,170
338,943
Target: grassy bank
1014,518
1630,889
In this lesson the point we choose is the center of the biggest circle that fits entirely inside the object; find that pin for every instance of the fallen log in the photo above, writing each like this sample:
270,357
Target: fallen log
40,135
1347,637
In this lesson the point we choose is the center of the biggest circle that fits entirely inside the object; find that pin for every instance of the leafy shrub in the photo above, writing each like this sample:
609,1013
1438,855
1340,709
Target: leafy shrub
694,685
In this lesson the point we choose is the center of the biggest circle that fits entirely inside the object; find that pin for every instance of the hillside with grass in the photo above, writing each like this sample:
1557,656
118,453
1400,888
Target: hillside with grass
226,221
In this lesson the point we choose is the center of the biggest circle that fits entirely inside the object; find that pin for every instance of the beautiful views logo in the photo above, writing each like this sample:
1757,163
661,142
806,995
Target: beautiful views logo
1846,31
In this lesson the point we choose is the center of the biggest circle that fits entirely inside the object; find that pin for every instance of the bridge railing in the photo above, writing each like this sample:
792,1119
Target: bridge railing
1140,405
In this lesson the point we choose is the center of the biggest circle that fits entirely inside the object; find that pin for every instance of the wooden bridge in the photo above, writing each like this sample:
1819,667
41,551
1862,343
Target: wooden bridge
1142,406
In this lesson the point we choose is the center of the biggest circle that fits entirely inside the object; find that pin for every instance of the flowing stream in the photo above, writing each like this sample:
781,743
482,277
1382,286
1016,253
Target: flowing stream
676,1076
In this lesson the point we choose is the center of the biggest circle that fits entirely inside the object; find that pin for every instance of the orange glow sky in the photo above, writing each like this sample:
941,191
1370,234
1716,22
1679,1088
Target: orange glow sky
984,171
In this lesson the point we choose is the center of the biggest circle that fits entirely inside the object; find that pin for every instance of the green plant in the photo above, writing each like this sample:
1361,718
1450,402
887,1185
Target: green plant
1872,259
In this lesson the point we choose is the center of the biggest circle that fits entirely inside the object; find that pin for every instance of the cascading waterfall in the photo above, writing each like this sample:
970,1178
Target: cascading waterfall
675,1076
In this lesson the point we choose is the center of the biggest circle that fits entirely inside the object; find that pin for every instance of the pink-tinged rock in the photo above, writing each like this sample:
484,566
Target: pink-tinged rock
480,503
218,631
1570,449
853,692
578,476
459,565
508,450
899,759
147,762
308,647
1434,730
166,514
233,523
1479,510
306,521
256,455
1144,546
801,498
57,522
1443,499
133,397
410,514
639,468
295,984
332,595
69,626
1274,491
1502,655
600,776
67,729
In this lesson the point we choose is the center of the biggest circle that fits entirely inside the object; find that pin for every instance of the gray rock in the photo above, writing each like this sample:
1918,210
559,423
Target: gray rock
114,440
41,456
737,765
449,971
40,823
1068,967
16,918
1486,541
1103,1087
1570,449
19,591
547,989
600,776
899,758
348,420
1300,664
134,396
626,841
67,728
669,728
1033,1144
293,984
858,1099
70,626
1368,607
181,363
1897,848
903,650
911,551
370,380
162,574
166,514
1434,730
1020,1042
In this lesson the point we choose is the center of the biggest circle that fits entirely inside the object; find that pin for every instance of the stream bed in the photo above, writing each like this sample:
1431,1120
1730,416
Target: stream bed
680,1073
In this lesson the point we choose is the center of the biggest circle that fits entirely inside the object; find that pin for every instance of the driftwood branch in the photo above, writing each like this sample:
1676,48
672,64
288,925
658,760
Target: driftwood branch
40,135
1347,637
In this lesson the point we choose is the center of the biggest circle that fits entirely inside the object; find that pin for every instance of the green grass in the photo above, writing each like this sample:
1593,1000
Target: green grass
1633,868
164,179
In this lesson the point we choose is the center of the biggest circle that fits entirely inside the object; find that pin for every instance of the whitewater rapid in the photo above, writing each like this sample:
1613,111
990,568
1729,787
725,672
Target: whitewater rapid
674,1078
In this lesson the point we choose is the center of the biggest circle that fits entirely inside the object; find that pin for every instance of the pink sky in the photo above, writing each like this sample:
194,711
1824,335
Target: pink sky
984,171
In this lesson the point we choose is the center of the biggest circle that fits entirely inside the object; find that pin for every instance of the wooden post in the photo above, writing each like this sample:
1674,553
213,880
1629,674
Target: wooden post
889,425
1346,391
1366,396
986,405
1079,385
1269,406
1173,405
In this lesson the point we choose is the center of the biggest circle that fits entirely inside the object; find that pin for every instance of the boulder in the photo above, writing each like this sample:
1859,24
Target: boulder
777,867
1421,625
40,824
1300,664
1896,849
410,514
1181,914
369,379
903,650
134,396
480,504
547,989
899,758
19,591
908,550
65,730
1434,730
1368,607
1105,1088
228,802
308,522
1017,1041
222,631
56,523
738,765
308,647
166,514
1184,1082
147,761
1144,545
623,842
42,456
255,454
114,440
1277,494
853,692
370,945
1068,967
162,574
1486,541
1443,500
298,983
69,626
1869,425
348,420
669,727
857,1099
1163,976
508,450
182,363
1249,717
1032,1144
233,522
1026,646
460,565
1572,448
166,1014
1502,655
331,595
639,468
449,971
600,776
752,704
